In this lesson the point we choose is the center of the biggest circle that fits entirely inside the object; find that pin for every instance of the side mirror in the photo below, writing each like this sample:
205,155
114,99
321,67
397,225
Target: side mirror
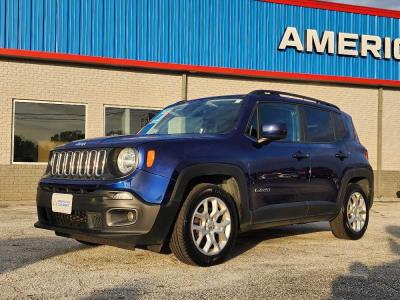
273,132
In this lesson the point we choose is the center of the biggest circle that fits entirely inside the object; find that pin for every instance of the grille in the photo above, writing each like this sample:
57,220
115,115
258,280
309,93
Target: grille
85,163
77,219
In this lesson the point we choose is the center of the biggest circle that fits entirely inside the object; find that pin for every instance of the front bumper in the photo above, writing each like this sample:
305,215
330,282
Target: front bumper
88,220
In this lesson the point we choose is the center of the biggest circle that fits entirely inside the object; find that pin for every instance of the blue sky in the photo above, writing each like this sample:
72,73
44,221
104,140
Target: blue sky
388,4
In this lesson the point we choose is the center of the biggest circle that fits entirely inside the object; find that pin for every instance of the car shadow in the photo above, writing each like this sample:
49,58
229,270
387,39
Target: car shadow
247,241
120,292
20,252
379,282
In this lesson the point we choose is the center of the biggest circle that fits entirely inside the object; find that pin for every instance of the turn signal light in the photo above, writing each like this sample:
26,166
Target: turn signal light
151,156
366,154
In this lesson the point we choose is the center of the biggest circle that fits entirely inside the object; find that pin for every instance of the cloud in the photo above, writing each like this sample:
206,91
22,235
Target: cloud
388,4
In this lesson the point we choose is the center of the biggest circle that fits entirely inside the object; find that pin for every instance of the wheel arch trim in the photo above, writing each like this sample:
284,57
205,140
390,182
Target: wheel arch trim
216,169
349,175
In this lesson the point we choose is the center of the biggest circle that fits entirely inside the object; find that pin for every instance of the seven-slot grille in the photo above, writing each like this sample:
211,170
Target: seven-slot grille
82,163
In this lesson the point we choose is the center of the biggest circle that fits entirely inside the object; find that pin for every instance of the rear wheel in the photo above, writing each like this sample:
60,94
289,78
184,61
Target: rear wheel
206,228
352,220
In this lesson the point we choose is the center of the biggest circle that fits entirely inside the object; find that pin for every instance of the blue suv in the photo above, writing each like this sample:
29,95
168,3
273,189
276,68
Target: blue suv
204,170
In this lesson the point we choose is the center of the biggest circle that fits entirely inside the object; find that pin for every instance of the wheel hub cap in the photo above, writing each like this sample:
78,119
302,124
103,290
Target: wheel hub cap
211,226
356,212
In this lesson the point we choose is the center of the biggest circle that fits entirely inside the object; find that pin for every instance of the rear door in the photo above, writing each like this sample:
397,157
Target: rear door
327,157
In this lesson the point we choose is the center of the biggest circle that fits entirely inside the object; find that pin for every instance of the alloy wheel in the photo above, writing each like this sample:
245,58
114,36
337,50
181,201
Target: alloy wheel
211,226
356,212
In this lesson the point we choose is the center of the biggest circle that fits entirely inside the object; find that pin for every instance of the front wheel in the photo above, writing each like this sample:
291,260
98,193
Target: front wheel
352,220
206,229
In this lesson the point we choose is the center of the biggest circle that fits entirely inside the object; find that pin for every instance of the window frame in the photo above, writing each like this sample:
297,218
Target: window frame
138,107
256,110
304,121
19,100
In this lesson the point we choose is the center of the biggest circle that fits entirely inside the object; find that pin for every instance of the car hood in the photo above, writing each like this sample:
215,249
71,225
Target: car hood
133,140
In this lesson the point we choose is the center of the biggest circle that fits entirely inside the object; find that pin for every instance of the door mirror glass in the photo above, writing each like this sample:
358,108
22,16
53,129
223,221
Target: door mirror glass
274,131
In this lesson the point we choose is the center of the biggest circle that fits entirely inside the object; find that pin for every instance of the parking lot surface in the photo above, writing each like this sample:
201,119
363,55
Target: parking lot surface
299,262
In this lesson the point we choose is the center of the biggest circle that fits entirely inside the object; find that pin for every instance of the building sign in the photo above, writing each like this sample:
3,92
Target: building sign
237,37
342,43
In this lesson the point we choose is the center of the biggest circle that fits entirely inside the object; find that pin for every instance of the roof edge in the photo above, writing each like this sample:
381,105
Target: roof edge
355,9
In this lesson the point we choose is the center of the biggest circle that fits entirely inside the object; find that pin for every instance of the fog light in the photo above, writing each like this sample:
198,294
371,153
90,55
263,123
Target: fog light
121,216
131,216
122,196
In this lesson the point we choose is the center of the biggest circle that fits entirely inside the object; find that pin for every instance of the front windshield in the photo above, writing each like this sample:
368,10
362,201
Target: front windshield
214,116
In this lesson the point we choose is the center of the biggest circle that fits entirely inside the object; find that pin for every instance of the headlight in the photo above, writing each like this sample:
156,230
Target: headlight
127,160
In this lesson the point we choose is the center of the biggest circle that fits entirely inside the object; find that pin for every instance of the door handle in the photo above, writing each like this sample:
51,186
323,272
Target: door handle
300,155
341,155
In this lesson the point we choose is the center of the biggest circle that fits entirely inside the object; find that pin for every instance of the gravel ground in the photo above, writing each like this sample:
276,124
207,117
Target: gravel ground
302,262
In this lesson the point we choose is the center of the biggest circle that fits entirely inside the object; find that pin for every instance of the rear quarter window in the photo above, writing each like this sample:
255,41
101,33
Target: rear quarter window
340,127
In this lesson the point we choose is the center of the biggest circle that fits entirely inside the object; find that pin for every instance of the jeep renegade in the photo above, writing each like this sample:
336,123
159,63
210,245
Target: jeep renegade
204,170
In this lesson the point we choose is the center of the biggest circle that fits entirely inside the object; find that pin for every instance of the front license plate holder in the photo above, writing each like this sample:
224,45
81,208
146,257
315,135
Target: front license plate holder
61,203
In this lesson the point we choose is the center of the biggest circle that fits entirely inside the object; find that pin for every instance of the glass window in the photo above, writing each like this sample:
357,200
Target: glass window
272,113
340,127
319,127
208,116
39,127
252,128
123,121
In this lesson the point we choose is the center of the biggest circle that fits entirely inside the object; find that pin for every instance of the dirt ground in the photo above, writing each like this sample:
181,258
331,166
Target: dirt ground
295,262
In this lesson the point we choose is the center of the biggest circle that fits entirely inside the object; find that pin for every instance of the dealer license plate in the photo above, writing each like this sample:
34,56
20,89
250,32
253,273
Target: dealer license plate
61,203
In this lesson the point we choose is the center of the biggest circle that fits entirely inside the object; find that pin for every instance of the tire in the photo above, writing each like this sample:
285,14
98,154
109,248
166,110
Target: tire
213,227
342,226
88,243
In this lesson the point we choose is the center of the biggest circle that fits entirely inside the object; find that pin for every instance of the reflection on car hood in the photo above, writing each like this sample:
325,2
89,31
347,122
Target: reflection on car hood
132,140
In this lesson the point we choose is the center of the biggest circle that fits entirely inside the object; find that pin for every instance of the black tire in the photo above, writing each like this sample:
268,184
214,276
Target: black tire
182,244
88,243
340,225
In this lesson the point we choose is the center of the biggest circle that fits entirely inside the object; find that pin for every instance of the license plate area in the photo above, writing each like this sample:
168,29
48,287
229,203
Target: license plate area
61,203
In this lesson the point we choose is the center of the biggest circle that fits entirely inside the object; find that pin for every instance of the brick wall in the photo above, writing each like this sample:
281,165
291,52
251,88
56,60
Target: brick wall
91,85
19,182
106,86
391,142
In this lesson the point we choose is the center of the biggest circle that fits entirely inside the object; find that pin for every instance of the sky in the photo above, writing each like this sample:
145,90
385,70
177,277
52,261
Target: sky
388,4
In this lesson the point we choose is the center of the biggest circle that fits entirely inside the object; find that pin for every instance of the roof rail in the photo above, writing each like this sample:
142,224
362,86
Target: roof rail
280,94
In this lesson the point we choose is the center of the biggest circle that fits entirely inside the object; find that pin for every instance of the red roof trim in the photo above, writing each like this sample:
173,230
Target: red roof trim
27,54
355,9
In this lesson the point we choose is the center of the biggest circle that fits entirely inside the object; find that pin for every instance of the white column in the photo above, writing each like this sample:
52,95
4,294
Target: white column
126,121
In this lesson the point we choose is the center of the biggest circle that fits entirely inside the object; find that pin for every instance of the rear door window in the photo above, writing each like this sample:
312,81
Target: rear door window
318,125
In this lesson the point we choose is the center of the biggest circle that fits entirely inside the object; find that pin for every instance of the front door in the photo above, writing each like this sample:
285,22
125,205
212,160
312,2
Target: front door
279,169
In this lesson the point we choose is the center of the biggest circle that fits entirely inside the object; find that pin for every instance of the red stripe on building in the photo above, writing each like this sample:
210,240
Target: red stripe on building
27,54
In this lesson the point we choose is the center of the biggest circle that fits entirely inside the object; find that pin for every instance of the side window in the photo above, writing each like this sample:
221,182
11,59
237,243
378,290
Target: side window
252,128
119,121
282,113
41,126
319,127
340,127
